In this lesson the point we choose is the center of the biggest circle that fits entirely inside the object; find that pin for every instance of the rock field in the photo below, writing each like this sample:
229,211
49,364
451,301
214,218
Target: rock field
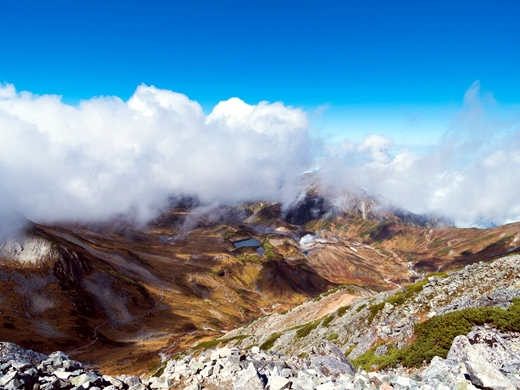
484,358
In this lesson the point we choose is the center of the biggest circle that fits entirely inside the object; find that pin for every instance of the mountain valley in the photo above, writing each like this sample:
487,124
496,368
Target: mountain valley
118,297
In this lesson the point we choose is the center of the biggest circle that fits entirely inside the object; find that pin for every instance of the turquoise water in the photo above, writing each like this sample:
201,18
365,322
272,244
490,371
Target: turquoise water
249,242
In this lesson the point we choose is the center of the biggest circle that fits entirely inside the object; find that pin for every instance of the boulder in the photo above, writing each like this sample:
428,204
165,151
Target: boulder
248,380
329,366
487,377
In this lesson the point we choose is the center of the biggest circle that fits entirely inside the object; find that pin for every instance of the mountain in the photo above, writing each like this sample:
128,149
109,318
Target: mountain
455,330
446,331
115,295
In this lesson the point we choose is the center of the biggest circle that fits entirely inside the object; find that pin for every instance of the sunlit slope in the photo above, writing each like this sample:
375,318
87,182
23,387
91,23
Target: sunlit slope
116,295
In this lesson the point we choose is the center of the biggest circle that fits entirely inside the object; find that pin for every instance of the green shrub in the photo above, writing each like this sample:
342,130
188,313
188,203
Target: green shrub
342,310
374,309
268,344
439,274
359,308
332,336
415,288
350,349
369,361
327,293
327,320
212,343
396,299
307,328
159,369
435,336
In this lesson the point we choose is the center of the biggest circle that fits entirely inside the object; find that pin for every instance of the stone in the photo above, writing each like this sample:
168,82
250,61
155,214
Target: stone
286,372
278,383
441,370
326,386
118,384
206,371
196,366
11,375
159,383
224,352
214,355
304,383
333,350
83,378
487,376
62,374
487,346
329,366
248,380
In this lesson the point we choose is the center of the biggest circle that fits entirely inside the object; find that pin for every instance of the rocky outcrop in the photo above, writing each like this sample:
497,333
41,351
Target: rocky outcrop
233,368
390,317
25,369
483,359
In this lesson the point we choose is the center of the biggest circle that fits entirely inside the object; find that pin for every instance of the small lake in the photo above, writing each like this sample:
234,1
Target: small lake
249,242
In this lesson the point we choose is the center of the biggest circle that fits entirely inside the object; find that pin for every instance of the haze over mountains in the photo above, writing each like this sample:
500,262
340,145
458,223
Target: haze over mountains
107,157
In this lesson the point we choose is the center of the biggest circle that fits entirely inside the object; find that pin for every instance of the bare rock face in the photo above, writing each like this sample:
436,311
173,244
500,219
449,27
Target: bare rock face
248,379
13,352
331,349
489,347
24,369
487,377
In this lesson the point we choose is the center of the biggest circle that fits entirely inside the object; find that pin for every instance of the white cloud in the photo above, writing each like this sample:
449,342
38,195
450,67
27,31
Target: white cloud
106,156
471,177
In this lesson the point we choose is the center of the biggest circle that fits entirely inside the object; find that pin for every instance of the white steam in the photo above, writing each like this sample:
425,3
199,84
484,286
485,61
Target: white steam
106,156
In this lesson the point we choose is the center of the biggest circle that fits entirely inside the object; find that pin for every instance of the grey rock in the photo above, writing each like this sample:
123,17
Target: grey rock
278,383
286,372
62,374
487,377
10,351
329,366
440,370
138,386
83,378
206,371
196,366
326,386
488,346
332,349
248,380
8,378
305,383
118,384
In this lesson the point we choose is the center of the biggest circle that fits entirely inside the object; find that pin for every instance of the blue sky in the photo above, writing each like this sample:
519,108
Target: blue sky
364,60
419,101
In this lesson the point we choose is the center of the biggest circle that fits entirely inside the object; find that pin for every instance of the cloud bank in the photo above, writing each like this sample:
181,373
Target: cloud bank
471,177
106,156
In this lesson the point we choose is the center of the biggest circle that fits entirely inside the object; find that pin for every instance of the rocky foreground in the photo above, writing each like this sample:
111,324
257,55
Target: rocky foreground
377,332
24,369
484,359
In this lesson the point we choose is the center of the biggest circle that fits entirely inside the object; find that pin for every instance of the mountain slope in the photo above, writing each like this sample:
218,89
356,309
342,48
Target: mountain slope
115,295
